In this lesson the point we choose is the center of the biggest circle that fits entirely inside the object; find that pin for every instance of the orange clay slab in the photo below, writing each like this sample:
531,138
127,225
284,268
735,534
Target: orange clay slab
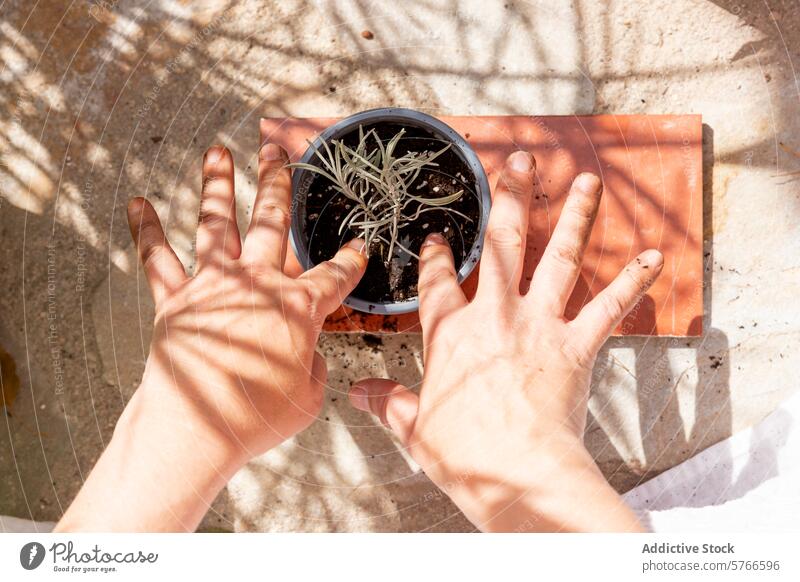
651,167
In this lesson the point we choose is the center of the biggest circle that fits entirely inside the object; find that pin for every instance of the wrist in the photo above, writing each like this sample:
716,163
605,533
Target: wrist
160,472
157,418
558,489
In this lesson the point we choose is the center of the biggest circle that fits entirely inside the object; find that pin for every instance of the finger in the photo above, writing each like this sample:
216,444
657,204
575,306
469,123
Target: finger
439,292
555,277
330,282
162,267
395,405
266,236
217,234
598,319
501,263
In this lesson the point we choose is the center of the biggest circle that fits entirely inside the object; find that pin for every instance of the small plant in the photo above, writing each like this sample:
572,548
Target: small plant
381,187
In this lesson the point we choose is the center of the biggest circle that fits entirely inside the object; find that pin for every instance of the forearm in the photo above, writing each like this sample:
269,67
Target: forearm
160,472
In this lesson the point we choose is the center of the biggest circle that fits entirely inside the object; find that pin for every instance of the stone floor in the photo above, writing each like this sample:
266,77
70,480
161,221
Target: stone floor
106,100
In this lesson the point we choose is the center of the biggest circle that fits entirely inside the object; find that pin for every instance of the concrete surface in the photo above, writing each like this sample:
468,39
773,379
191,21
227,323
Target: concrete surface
105,100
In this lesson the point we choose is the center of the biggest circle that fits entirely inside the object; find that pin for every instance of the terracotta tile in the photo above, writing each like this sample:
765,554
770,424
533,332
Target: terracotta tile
651,166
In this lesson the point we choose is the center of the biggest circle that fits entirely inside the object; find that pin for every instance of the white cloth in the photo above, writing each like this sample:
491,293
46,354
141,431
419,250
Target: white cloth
16,525
749,482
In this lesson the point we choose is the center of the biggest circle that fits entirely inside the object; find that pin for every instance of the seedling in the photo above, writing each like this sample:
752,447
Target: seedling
381,186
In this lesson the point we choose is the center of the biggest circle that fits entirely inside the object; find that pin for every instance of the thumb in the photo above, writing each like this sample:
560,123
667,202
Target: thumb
330,282
393,403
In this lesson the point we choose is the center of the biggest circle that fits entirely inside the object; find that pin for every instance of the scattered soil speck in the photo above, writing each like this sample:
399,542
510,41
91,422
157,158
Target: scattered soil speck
373,341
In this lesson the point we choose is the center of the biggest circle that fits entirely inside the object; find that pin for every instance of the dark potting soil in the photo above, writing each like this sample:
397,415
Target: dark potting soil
396,280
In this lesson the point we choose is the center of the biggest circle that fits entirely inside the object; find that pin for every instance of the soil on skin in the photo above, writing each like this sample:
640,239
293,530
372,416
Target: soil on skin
396,280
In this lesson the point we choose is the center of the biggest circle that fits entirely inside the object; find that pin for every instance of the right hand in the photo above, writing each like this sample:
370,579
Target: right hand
499,421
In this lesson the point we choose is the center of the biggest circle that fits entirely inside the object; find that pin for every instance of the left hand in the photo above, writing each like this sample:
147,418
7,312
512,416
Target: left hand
234,346
232,369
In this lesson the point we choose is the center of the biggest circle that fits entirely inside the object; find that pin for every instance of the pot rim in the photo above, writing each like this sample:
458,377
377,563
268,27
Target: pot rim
410,117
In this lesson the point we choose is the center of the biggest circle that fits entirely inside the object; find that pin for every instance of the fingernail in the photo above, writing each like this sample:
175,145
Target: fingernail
214,154
654,258
520,161
434,239
359,398
588,182
357,244
136,206
270,152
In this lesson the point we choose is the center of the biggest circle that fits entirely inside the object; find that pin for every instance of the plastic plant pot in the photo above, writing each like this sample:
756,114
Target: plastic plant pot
303,179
